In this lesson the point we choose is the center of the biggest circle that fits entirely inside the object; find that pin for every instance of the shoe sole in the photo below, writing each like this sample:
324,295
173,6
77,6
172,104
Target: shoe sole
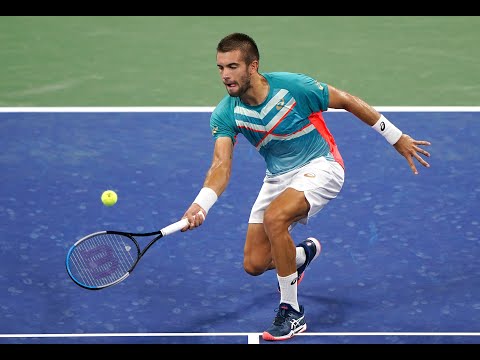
268,337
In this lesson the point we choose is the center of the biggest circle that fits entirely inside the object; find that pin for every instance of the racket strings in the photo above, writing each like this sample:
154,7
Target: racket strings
102,259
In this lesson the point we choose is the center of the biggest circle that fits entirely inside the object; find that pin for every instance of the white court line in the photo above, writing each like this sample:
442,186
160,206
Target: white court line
102,109
207,109
243,334
253,338
127,335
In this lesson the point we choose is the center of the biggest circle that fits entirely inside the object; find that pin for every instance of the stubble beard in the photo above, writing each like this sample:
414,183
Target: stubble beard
241,89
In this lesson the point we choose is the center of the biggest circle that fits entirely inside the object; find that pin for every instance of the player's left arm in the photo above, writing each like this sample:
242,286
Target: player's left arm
403,143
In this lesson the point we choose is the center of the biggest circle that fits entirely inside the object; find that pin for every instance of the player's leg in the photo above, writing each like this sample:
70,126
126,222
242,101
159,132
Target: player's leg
309,190
320,181
257,255
257,250
287,208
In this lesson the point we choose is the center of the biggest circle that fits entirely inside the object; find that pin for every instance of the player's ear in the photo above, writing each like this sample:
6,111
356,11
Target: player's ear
253,66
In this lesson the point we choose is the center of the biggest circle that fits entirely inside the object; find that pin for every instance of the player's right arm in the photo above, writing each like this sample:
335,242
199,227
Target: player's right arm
216,181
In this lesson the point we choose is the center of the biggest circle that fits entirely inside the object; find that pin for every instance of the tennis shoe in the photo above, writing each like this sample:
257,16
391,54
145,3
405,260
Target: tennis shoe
312,249
287,323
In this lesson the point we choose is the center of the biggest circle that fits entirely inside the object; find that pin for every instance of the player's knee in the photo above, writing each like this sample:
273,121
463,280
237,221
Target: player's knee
252,268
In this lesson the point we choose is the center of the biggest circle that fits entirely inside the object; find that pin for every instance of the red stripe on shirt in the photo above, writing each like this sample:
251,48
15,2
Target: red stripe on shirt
317,120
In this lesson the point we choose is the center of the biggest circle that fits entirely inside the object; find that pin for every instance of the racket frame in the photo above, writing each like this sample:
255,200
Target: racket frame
174,227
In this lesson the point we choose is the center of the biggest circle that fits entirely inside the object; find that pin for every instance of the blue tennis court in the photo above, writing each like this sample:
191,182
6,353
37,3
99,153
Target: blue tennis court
400,252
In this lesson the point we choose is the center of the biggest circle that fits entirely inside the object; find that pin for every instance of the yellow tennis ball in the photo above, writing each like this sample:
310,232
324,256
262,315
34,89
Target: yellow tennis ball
109,197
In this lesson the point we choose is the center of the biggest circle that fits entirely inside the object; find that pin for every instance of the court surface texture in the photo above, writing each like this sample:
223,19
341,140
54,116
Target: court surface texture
400,251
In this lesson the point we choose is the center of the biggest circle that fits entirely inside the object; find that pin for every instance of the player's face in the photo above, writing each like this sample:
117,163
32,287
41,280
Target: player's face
234,72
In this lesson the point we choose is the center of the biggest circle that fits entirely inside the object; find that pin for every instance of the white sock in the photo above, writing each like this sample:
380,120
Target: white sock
301,256
288,290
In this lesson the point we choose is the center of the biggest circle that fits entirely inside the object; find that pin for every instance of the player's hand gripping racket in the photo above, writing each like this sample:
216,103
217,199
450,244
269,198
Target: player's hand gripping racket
105,258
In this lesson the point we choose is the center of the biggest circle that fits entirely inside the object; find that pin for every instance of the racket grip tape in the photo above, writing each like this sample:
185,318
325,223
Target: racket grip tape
177,226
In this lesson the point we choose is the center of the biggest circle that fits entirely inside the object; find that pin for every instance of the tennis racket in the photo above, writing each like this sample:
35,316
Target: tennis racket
105,258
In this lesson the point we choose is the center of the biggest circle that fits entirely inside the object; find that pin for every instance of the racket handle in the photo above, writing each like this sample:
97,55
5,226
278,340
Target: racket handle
177,226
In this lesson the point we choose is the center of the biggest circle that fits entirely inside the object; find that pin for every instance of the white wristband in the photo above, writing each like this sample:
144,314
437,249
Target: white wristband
206,198
389,131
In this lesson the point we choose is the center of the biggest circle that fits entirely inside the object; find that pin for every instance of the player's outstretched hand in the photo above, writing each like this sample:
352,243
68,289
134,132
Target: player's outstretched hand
195,215
410,149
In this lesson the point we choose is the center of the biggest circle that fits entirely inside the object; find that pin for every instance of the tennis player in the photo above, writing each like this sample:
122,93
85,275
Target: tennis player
280,114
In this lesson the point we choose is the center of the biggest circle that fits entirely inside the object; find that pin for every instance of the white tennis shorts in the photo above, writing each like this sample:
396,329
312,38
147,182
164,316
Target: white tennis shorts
321,180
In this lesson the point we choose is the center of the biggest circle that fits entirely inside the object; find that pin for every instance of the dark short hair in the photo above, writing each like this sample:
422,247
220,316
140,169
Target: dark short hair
240,41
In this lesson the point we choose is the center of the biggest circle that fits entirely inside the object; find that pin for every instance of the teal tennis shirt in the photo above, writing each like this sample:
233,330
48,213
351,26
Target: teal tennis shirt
287,129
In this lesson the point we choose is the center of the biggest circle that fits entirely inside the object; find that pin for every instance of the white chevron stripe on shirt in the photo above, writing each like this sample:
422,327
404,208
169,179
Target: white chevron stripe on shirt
265,110
297,134
272,123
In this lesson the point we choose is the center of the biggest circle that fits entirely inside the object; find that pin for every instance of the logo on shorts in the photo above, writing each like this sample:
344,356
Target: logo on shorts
309,175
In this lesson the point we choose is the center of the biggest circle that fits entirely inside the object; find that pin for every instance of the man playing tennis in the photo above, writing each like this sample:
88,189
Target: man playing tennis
280,114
